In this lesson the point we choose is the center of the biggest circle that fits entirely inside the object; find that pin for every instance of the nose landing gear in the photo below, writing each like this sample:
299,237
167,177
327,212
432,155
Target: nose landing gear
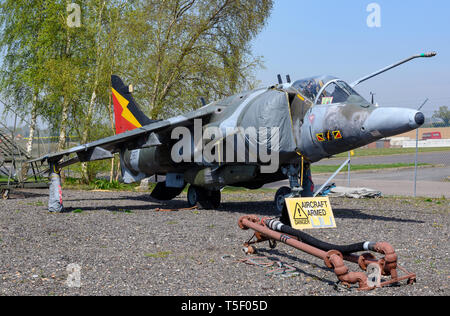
301,185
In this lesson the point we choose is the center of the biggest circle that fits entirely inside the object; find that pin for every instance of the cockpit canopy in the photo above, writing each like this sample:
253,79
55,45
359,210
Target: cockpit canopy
328,90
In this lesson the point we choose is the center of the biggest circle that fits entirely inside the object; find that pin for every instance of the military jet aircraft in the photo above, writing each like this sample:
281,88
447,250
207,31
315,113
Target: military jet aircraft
306,120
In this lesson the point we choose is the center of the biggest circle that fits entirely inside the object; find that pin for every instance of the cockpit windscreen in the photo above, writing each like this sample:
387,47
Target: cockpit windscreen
335,91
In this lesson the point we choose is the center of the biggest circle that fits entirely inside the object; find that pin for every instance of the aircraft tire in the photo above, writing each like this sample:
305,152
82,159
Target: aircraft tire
281,194
193,195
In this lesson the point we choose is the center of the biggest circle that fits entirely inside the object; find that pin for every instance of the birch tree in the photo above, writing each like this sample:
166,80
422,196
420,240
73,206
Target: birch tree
179,47
173,51
23,58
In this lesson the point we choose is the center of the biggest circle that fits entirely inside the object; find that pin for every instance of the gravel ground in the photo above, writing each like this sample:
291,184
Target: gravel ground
124,247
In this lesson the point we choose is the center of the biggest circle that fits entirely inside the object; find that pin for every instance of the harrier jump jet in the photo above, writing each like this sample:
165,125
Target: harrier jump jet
258,137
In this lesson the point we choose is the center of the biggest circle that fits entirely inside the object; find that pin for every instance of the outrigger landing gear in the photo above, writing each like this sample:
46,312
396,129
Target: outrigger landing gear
55,203
333,255
207,199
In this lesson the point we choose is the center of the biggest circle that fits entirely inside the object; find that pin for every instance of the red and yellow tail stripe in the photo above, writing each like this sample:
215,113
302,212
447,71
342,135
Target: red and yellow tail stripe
125,120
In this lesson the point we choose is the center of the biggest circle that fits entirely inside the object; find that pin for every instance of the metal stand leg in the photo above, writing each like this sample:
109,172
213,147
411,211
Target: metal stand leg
55,203
332,177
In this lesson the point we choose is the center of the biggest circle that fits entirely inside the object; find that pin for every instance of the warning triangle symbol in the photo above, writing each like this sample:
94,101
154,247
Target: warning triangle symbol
299,213
320,137
337,135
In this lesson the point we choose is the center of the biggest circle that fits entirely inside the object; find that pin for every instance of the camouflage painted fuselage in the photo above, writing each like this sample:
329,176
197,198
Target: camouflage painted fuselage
314,122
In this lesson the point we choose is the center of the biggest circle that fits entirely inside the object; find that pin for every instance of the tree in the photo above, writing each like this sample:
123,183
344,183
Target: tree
174,51
23,60
39,71
443,114
183,49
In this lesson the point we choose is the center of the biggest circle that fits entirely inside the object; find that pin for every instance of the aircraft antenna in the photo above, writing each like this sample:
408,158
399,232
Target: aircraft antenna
288,78
280,81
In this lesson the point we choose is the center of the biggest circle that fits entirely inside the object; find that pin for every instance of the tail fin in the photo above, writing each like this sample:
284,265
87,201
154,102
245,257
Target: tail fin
128,115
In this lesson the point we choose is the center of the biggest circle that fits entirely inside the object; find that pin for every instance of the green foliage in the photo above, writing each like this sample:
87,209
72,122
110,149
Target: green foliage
443,114
331,168
107,185
367,152
173,51
191,49
97,184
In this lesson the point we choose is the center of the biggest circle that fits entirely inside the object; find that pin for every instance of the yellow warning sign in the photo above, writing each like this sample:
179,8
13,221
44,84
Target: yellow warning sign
309,213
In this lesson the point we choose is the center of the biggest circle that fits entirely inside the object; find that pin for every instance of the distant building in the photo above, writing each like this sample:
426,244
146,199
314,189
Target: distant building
445,132
404,140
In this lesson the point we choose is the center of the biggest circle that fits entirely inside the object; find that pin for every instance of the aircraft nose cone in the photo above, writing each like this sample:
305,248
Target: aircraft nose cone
419,118
386,122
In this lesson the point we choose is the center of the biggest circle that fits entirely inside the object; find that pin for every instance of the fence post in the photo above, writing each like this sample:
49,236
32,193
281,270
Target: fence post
416,163
417,152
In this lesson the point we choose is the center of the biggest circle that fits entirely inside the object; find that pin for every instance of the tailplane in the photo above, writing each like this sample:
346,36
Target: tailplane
128,115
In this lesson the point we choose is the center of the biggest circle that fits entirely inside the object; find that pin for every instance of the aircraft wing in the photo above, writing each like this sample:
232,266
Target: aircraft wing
142,137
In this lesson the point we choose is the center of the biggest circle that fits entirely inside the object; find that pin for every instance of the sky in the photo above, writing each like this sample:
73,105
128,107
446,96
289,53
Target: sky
308,38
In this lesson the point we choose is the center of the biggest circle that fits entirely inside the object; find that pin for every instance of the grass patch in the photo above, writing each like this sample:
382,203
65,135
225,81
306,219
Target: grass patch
38,203
366,152
331,169
161,254
437,201
228,190
125,211
99,184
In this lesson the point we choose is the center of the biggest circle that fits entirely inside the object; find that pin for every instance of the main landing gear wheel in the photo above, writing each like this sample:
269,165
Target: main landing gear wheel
205,198
282,193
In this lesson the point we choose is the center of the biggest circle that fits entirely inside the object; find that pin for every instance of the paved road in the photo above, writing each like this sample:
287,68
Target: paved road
398,182
436,158
437,174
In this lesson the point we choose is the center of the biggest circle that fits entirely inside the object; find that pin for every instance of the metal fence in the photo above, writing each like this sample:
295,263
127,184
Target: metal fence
413,164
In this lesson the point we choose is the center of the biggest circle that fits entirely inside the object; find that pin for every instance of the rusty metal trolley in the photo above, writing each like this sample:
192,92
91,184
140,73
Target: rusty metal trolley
272,230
